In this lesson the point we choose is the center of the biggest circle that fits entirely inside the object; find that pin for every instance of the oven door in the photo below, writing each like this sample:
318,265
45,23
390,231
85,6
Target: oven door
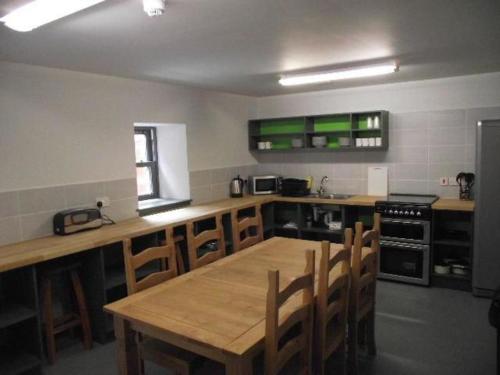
414,231
404,262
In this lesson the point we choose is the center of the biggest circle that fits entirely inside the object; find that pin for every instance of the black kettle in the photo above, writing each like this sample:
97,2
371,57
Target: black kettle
236,187
466,182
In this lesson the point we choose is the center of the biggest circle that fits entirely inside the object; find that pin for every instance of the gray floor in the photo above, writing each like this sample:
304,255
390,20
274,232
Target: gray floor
419,331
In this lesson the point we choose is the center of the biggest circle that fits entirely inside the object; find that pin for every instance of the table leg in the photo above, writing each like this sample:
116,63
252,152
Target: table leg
239,366
127,353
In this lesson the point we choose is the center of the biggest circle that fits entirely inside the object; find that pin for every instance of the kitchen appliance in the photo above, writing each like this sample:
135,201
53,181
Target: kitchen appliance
405,234
77,220
486,261
236,187
261,185
465,182
294,187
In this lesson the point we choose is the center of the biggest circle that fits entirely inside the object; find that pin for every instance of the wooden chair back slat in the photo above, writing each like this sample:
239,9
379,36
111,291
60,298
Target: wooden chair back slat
243,225
197,241
278,327
333,300
166,255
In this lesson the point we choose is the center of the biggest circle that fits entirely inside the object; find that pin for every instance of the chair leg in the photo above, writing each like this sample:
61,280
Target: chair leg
180,260
370,333
82,307
48,318
352,350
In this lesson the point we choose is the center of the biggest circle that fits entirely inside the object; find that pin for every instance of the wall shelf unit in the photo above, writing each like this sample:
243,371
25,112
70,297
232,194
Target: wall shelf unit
341,130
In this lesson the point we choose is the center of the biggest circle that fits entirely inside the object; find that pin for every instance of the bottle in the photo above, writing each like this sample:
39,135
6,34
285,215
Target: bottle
376,122
369,122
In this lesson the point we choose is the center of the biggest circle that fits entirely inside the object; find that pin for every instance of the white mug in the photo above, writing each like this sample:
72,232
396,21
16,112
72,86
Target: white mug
371,142
365,142
369,122
378,141
376,122
359,142
261,145
269,145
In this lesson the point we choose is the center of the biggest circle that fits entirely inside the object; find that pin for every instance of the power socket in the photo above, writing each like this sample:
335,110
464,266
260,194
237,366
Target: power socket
103,202
443,181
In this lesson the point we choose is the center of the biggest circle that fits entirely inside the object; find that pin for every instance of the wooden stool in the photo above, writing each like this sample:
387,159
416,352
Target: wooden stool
54,326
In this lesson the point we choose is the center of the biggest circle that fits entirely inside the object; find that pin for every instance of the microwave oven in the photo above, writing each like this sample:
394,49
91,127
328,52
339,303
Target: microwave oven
260,185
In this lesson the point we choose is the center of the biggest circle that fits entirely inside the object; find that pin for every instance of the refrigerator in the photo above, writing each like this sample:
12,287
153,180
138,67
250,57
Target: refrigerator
486,260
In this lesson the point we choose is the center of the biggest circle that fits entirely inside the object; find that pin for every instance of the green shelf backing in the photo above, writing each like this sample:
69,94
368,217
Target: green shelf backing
282,127
329,124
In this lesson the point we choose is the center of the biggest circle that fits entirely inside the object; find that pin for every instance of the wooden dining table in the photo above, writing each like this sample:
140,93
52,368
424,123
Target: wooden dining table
217,311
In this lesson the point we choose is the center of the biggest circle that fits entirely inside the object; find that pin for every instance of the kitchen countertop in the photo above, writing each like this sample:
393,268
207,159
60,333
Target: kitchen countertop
42,249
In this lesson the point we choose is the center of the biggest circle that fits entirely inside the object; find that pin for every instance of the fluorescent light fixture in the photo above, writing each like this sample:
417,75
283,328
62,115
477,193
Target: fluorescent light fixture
335,75
40,12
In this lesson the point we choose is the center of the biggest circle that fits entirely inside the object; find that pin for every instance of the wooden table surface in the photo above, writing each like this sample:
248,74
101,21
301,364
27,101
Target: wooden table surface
218,310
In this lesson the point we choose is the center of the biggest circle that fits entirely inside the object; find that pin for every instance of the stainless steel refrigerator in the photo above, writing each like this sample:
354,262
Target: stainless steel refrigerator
486,262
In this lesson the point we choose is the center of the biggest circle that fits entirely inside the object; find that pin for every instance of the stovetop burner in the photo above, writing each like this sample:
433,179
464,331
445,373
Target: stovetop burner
412,198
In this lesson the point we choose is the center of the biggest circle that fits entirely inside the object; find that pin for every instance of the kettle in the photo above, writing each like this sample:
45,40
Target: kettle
236,187
465,182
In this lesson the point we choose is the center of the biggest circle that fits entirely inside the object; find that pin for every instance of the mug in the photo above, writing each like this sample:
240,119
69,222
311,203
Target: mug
269,145
359,142
261,145
378,141
371,142
365,142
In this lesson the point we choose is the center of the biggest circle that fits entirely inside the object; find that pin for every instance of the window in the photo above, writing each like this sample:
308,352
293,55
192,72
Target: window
146,159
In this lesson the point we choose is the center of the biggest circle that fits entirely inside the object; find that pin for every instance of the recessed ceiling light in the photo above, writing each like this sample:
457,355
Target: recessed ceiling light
40,12
359,72
154,7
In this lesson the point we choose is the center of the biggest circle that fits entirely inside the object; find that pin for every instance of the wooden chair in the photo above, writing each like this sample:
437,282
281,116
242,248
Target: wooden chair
332,302
364,266
178,252
283,342
158,352
55,325
197,241
241,227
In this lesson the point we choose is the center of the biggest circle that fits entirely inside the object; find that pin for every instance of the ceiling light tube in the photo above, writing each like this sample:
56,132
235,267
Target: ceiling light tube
41,12
335,75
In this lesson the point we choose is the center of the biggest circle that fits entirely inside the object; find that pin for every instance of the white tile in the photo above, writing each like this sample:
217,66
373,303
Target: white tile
470,154
199,178
410,137
443,191
446,154
408,154
408,186
413,120
347,186
447,136
201,195
9,204
446,119
122,209
348,171
444,170
219,191
411,171
37,225
83,194
121,189
40,200
10,230
221,175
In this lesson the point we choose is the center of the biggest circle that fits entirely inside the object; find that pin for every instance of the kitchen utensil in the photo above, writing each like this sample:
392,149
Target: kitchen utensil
319,141
344,141
378,181
236,187
466,182
442,269
297,143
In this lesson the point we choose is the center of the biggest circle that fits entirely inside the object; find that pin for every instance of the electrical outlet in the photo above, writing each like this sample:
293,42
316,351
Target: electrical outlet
103,201
452,181
443,181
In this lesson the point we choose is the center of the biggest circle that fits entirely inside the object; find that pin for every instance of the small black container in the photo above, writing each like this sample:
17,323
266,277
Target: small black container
294,187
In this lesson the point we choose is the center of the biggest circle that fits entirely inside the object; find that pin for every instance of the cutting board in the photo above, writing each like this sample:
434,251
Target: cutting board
378,181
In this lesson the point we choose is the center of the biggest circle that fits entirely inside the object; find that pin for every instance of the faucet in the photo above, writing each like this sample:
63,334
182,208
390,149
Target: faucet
321,190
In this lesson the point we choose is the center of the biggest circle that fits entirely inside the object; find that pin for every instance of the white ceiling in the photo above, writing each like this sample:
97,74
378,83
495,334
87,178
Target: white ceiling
242,46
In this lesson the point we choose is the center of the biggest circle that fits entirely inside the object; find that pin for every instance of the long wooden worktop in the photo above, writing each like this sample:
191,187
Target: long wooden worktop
42,249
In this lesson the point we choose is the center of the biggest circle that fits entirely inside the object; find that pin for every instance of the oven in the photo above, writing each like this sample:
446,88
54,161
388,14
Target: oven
260,185
406,262
405,230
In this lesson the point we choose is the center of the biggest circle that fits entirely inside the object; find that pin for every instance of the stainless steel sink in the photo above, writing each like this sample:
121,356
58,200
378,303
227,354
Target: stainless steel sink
331,196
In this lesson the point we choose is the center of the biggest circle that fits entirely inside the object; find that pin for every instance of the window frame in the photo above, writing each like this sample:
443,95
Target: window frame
152,149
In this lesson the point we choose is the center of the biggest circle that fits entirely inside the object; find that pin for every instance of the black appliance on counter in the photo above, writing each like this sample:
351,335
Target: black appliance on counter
405,237
294,187
77,220
465,181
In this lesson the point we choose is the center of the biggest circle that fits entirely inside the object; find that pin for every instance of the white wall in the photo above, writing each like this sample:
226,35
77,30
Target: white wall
172,160
429,95
61,127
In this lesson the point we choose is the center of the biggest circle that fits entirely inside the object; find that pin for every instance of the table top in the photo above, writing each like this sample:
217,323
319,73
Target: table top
221,305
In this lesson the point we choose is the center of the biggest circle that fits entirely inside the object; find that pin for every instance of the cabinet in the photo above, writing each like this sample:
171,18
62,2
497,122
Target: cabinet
452,244
360,131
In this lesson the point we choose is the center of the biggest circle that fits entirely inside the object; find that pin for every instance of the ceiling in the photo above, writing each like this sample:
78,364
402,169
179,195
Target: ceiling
242,46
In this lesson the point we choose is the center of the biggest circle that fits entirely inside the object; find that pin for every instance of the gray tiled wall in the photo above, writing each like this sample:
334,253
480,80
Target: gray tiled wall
213,184
423,147
27,214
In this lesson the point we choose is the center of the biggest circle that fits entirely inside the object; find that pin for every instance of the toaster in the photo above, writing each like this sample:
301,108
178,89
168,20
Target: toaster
77,220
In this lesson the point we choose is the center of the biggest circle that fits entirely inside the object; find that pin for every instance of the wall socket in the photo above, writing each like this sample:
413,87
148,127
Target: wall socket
443,181
105,201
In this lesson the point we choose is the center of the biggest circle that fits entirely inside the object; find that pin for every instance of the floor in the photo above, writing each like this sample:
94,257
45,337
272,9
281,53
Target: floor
419,331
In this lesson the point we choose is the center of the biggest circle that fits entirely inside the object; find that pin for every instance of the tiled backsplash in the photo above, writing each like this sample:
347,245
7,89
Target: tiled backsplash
213,184
423,146
27,214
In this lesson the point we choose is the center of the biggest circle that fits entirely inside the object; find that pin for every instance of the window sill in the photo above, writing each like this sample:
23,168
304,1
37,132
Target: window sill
157,205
